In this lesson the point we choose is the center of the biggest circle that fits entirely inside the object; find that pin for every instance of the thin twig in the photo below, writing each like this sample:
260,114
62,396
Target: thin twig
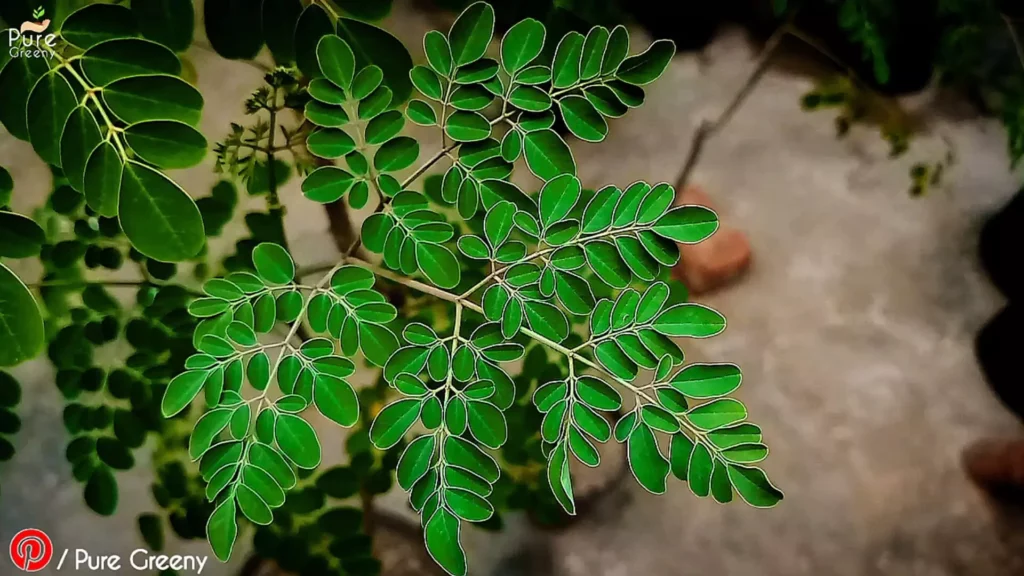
709,128
1016,38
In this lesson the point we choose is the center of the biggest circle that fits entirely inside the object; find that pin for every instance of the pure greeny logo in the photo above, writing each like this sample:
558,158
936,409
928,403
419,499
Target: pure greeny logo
28,40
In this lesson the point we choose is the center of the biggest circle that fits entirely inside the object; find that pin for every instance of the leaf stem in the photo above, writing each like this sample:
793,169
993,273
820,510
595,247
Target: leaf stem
571,354
90,93
296,326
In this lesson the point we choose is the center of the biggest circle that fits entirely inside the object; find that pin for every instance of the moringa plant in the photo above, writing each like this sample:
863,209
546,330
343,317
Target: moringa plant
455,276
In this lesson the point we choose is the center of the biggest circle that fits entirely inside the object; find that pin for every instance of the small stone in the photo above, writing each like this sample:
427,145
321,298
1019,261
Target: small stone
716,261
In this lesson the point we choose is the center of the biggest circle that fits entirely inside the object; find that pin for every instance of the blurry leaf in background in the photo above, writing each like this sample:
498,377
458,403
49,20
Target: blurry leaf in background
232,27
372,45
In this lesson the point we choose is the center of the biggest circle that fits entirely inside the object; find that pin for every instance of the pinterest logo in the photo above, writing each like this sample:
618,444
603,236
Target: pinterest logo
31,550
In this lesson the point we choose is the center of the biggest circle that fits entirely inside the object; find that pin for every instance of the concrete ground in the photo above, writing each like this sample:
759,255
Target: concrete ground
854,329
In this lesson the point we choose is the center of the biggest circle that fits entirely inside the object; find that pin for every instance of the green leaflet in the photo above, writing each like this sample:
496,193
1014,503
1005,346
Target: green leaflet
746,453
511,145
396,154
297,440
101,491
438,264
593,52
330,143
582,119
483,71
637,259
439,54
616,50
324,114
557,198
498,223
375,46
707,380
597,394
273,263
565,70
80,136
336,399
441,534
574,293
583,449
753,486
464,454
687,224
327,184
326,92
166,144
157,97
547,155
598,215
21,329
651,302
624,311
465,126
393,422
471,33
648,465
717,414
49,106
20,237
487,424
125,57
699,470
603,258
646,67
605,101
615,360
375,103
655,203
421,113
690,320
181,391
336,60
558,478
385,126
97,23
270,460
734,435
530,99
427,82
158,217
416,460
546,320
467,505
521,44
17,78
537,74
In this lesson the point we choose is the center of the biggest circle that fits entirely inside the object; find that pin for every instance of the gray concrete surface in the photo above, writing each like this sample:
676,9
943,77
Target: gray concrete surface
854,330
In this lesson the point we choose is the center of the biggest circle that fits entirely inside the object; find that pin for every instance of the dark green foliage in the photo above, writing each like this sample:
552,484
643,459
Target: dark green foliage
230,364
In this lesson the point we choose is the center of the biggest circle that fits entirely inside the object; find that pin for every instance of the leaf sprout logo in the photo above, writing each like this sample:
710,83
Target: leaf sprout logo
28,41
31,550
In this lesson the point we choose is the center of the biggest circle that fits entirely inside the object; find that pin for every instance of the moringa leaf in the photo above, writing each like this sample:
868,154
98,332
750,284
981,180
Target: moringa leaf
159,218
471,33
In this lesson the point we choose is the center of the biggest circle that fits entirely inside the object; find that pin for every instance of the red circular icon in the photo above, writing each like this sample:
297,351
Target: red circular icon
31,550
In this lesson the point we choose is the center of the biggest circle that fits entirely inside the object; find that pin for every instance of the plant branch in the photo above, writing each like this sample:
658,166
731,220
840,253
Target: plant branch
1016,38
462,301
90,93
709,128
